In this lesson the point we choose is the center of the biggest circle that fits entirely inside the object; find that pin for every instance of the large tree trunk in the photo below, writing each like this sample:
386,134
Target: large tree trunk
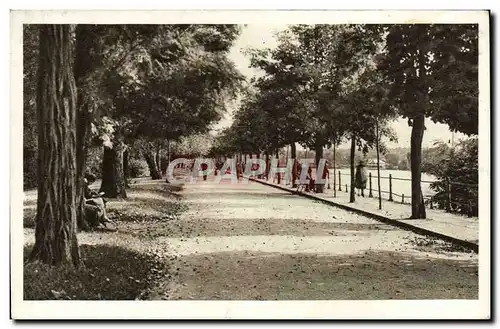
352,196
417,134
318,150
55,234
113,178
152,165
86,61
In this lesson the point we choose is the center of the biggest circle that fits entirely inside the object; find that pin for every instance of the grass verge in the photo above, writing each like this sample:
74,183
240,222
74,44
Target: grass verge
118,266
110,273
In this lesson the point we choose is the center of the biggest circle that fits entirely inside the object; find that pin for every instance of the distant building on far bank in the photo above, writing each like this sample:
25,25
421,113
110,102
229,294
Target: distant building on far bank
372,164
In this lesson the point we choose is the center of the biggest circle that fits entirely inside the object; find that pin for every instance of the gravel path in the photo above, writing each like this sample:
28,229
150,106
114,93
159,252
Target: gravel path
249,241
253,242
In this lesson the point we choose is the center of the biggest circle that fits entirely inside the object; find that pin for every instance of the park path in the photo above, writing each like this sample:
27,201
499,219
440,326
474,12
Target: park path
439,221
250,241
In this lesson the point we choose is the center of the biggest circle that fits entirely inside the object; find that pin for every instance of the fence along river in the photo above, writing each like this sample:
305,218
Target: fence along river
400,181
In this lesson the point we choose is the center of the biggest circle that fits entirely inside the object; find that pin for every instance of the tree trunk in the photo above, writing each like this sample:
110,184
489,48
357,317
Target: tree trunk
417,134
334,170
55,234
267,166
163,165
125,167
168,160
377,145
150,158
168,152
158,164
352,196
293,154
86,61
113,179
318,150
277,163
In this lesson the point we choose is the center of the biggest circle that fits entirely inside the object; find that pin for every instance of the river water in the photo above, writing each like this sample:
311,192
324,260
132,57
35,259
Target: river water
401,181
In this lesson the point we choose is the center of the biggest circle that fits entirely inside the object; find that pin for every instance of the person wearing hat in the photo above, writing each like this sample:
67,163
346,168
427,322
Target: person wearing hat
361,177
95,204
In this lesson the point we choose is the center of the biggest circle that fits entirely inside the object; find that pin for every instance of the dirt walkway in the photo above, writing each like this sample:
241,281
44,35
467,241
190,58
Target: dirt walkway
440,221
249,241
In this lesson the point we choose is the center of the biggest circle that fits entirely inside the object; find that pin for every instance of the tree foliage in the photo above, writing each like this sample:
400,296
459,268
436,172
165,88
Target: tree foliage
433,70
433,73
184,83
456,172
30,138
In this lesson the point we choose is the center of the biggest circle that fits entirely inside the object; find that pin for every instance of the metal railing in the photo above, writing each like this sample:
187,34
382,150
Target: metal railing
391,195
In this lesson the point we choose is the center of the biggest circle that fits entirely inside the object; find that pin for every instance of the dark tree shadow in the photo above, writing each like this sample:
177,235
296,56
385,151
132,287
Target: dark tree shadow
110,273
249,275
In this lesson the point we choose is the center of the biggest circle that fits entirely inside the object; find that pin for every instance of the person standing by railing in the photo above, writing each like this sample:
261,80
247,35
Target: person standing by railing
361,177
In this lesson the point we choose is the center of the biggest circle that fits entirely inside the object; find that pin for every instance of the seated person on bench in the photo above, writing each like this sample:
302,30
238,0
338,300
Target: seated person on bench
94,200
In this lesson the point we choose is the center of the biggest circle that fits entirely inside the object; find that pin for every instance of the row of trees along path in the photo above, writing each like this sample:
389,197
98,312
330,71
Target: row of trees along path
326,84
115,86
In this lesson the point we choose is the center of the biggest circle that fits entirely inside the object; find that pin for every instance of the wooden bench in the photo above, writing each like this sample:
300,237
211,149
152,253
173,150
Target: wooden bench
302,186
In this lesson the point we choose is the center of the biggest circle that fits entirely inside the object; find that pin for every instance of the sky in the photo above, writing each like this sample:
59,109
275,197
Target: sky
262,36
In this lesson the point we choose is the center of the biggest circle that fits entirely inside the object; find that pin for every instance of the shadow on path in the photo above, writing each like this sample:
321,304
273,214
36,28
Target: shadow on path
268,276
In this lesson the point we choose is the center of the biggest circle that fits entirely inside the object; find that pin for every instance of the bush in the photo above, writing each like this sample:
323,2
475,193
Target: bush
94,161
30,165
137,168
457,174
